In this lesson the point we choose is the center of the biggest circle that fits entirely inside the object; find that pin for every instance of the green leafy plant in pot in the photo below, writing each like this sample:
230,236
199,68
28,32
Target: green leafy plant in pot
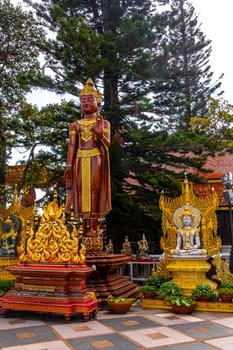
225,291
182,304
151,285
119,305
204,292
169,289
5,285
148,291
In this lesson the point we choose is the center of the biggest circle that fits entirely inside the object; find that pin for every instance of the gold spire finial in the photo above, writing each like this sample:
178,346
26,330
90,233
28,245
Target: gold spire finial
90,90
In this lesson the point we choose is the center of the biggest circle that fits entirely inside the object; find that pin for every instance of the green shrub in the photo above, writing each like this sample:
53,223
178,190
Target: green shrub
182,300
226,285
113,299
148,289
225,290
169,289
5,285
155,281
204,290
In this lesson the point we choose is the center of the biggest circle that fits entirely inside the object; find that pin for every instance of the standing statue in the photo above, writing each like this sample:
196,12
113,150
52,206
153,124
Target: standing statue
8,238
188,242
87,175
143,247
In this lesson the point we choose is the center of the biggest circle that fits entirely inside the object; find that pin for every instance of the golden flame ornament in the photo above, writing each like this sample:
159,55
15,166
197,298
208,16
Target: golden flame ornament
55,241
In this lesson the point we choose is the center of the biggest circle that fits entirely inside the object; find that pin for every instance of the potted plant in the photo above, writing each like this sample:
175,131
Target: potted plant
169,289
151,285
119,305
148,291
225,291
182,304
155,281
5,285
204,292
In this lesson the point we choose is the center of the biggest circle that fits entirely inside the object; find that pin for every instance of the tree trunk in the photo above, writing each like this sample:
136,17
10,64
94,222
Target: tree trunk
2,160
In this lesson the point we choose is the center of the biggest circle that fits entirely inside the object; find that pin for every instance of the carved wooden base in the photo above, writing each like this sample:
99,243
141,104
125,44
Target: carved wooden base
50,288
188,272
106,281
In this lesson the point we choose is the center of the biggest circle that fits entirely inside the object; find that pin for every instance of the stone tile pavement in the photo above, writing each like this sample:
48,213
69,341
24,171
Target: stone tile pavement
139,329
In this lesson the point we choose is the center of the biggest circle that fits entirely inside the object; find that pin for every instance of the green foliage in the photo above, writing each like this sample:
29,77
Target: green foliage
169,289
21,37
113,299
184,78
182,300
204,290
155,281
148,289
225,290
226,285
5,285
216,123
152,284
135,57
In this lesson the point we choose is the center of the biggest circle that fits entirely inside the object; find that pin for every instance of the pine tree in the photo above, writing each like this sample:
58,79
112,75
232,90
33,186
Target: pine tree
118,44
20,38
111,42
184,77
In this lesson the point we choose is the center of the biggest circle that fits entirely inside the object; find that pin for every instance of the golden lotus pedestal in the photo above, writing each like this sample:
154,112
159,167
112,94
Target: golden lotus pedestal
188,272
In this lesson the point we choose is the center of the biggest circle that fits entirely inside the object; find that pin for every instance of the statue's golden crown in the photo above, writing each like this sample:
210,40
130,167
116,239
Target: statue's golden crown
90,90
186,212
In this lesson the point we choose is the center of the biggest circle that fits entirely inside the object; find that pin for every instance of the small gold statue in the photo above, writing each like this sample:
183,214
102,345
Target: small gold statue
126,249
109,247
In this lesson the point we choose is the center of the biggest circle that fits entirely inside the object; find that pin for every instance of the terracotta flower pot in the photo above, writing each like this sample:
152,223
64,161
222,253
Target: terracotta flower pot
148,295
226,298
203,298
182,309
121,307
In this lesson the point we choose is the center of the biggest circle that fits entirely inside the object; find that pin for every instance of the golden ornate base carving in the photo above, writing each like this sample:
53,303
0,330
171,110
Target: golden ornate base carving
94,245
5,262
214,306
188,272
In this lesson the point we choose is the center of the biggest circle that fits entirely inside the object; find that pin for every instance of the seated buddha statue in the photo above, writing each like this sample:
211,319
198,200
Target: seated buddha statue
188,242
126,248
109,247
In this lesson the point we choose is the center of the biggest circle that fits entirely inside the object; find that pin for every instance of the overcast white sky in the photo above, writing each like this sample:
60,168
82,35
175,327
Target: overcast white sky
216,19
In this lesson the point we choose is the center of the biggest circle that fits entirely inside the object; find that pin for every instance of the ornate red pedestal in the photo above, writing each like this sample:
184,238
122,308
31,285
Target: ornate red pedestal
106,280
50,288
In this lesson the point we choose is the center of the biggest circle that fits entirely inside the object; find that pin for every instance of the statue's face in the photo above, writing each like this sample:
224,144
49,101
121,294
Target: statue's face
187,221
89,104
